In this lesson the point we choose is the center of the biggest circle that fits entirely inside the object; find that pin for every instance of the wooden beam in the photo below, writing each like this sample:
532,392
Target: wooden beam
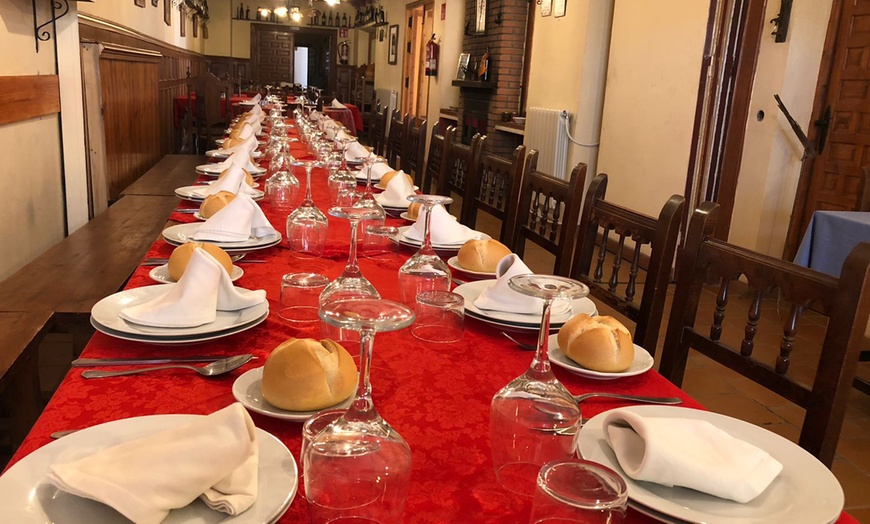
26,97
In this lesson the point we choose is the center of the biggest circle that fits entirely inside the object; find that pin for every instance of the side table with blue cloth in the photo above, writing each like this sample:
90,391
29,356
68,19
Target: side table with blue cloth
829,239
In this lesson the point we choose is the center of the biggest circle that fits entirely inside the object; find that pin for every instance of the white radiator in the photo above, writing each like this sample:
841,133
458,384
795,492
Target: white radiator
546,132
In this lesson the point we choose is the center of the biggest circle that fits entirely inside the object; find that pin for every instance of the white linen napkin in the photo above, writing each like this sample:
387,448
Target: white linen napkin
255,117
690,453
342,135
214,458
247,146
500,297
443,229
239,158
233,181
379,169
257,98
203,289
355,150
256,110
240,220
397,191
246,131
338,105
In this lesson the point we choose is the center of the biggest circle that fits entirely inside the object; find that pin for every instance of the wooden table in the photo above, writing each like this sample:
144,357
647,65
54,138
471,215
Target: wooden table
171,172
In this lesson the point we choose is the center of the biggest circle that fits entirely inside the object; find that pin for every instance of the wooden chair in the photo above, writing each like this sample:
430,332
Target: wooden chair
660,235
548,211
493,186
207,122
414,149
434,162
845,301
459,163
378,134
396,140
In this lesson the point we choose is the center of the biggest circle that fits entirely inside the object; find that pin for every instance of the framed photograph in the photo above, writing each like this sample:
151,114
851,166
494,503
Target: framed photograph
559,7
139,3
462,68
195,24
546,7
155,3
393,54
182,23
167,12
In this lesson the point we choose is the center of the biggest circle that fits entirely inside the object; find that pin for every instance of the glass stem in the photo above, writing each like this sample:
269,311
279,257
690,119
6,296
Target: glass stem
369,179
309,200
427,239
541,363
363,407
352,270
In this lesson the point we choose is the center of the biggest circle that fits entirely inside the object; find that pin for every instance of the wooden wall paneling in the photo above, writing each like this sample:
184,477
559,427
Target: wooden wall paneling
26,97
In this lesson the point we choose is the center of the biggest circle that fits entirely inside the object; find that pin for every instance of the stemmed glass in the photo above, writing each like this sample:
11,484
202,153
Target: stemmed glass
367,200
341,183
282,187
307,225
358,469
425,271
533,418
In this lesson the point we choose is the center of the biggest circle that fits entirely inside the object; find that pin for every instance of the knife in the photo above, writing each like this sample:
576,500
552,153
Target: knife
86,362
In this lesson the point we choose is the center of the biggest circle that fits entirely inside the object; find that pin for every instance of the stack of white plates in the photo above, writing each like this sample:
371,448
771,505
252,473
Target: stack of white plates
191,193
453,246
183,233
215,170
517,321
104,318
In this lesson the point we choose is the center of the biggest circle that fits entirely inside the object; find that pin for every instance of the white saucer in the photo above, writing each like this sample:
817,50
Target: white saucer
213,170
248,389
452,246
183,233
805,490
26,497
161,274
407,217
642,363
472,290
453,262
220,153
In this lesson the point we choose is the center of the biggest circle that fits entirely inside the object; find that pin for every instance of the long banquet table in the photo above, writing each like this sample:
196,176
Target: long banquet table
436,396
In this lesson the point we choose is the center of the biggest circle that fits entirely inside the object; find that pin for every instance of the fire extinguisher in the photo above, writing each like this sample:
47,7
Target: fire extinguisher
431,57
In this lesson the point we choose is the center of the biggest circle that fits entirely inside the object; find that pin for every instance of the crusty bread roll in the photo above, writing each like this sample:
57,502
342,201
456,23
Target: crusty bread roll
597,343
414,209
214,203
390,175
180,257
304,375
235,132
482,255
231,142
248,178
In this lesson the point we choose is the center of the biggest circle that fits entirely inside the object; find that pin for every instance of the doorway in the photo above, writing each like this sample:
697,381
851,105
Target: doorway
415,88
271,54
274,52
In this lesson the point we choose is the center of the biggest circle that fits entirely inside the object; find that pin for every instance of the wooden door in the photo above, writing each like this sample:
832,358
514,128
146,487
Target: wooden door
415,95
271,54
831,180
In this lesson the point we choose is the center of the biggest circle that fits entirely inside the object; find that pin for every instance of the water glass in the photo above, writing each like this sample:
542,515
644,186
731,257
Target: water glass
574,490
440,317
300,294
379,241
314,426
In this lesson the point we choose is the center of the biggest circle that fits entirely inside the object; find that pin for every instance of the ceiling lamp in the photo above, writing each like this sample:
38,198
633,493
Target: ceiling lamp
281,11
295,14
332,3
264,12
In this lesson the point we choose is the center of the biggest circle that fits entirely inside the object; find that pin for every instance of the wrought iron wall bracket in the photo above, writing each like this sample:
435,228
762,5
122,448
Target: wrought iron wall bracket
41,32
780,23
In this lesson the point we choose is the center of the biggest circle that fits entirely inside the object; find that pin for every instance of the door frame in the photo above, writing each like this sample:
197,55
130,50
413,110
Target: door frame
333,48
255,41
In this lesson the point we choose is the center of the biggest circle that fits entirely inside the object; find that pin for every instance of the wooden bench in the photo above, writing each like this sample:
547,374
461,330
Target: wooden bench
171,172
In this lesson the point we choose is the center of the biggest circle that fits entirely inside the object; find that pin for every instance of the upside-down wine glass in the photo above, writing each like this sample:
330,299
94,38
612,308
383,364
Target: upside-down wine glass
367,200
282,187
358,469
307,225
425,271
340,182
533,418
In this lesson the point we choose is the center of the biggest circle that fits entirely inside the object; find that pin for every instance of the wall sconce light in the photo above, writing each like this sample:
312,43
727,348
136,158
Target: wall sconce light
264,11
332,3
295,14
281,11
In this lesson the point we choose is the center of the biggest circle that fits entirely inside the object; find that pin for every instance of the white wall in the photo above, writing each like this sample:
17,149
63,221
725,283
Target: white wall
32,214
147,20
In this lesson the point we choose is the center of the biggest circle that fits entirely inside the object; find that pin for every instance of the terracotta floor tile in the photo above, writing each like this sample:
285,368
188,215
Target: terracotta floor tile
856,451
792,413
785,430
738,406
859,514
856,484
758,392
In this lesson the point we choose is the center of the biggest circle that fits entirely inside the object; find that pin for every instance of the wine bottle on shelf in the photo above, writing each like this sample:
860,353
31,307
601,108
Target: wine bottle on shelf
329,20
248,13
323,18
484,70
343,19
240,11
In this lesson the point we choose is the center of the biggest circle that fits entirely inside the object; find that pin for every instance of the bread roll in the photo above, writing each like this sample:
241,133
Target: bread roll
482,255
304,375
414,209
231,142
597,343
214,203
180,257
248,178
390,175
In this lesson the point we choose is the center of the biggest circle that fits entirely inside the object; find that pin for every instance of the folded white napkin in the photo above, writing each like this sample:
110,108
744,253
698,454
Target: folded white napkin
246,131
240,220
255,117
233,181
341,134
443,229
379,169
397,191
214,458
500,297
257,98
690,453
248,146
356,150
203,289
239,158
338,105
256,110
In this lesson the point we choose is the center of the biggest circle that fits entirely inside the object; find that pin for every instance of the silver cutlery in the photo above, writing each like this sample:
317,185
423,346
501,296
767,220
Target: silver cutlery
88,362
218,367
159,261
523,345
634,398
190,210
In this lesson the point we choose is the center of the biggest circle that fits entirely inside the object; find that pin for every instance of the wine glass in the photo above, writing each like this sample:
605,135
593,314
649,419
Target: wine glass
533,418
425,271
358,469
307,225
340,182
282,187
367,200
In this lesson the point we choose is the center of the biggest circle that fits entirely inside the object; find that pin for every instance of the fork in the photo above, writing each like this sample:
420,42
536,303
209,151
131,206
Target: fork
523,345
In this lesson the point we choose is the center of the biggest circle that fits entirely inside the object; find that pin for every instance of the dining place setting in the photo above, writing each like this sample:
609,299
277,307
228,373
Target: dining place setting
311,350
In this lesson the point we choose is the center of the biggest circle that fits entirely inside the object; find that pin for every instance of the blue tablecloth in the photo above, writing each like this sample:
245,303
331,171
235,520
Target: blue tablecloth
829,239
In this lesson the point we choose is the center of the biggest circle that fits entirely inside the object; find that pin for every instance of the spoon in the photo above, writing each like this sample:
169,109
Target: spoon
218,367
523,345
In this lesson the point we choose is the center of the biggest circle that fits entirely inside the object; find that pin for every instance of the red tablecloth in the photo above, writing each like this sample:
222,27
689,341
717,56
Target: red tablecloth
436,396
179,106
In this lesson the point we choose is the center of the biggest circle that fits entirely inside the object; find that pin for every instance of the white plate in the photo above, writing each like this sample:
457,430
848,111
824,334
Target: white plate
220,141
183,233
472,290
642,363
454,246
248,389
392,205
161,274
363,177
406,216
212,182
805,490
26,497
220,153
214,170
384,188
180,340
453,262
191,193
106,311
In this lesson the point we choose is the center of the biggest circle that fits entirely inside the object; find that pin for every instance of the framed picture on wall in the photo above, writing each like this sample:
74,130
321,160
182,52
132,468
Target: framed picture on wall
155,3
393,54
462,67
559,7
139,3
182,22
167,12
546,7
